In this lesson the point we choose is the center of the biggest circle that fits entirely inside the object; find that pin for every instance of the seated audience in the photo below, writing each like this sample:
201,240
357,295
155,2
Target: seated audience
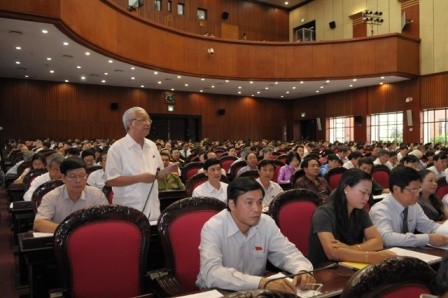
53,166
411,161
341,230
366,164
439,164
393,160
176,157
252,162
213,187
172,180
266,169
98,178
237,242
333,161
73,195
353,160
286,171
383,159
431,205
37,162
209,155
311,180
89,157
398,216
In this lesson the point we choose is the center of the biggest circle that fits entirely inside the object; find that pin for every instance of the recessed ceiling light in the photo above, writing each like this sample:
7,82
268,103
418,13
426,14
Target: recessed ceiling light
132,78
286,3
239,92
287,92
26,76
103,81
276,83
132,68
327,81
382,78
201,90
78,66
317,91
83,77
294,87
44,31
17,62
354,80
49,58
186,85
18,48
202,79
142,86
213,86
350,85
65,43
66,81
227,81
179,77
258,92
106,73
251,82
51,71
381,83
110,61
156,73
239,87
301,82
281,96
159,82
172,89
267,88
321,87
87,53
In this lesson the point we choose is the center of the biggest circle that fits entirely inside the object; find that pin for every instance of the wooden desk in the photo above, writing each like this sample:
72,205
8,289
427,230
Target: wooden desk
333,280
37,264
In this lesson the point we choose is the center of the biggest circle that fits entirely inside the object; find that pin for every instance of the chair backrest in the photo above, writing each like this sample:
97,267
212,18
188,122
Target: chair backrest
278,165
180,226
92,169
42,190
297,174
190,169
226,161
197,180
380,173
395,277
254,174
333,176
102,252
30,177
292,210
236,167
23,166
442,188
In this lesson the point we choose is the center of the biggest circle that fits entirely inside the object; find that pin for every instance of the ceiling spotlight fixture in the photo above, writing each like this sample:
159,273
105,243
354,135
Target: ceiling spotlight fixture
103,81
18,48
110,61
44,31
65,43
87,53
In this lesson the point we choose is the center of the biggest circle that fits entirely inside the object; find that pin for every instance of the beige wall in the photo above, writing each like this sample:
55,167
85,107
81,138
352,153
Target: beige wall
434,40
434,45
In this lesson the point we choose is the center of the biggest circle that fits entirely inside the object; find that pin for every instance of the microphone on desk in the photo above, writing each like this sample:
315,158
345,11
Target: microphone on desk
331,266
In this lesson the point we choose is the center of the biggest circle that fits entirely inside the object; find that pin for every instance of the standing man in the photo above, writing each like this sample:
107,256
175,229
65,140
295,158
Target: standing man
133,164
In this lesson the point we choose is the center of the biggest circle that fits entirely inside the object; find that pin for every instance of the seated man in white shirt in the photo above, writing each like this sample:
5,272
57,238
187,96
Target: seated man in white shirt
440,161
54,173
237,242
352,160
213,187
73,195
398,215
266,169
98,178
209,155
383,159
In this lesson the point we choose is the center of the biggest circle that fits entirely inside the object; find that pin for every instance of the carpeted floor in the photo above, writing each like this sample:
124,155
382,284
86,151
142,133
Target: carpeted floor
7,271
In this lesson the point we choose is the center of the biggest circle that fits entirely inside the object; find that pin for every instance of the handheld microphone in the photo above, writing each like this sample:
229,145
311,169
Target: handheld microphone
331,266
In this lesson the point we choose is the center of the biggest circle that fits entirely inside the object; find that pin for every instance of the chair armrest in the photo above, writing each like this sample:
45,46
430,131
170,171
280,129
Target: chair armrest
164,284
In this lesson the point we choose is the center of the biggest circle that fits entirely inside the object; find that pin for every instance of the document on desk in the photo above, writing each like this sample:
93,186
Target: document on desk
207,294
430,259
443,229
40,234
300,293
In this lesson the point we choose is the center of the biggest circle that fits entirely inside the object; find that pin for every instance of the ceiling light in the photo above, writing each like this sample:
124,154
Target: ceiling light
382,78
51,71
251,82
110,61
172,89
26,76
276,83
201,90
159,82
18,48
132,78
227,81
179,77
239,92
65,43
301,82
327,81
17,62
83,77
286,3
287,92
142,86
132,68
294,87
49,58
317,91
258,92
78,66
44,31
103,81
156,73
186,85
267,88
239,87
66,81
350,85
106,73
381,83
321,87
202,79
281,96
354,80
87,53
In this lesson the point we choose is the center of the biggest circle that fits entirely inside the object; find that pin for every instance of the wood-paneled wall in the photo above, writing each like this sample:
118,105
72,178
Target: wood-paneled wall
37,109
258,21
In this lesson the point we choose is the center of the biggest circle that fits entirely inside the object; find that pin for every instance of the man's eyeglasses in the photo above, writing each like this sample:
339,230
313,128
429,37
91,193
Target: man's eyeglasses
414,190
142,120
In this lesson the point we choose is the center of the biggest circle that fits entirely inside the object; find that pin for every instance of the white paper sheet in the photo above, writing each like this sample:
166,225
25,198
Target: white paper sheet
39,234
430,259
208,294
